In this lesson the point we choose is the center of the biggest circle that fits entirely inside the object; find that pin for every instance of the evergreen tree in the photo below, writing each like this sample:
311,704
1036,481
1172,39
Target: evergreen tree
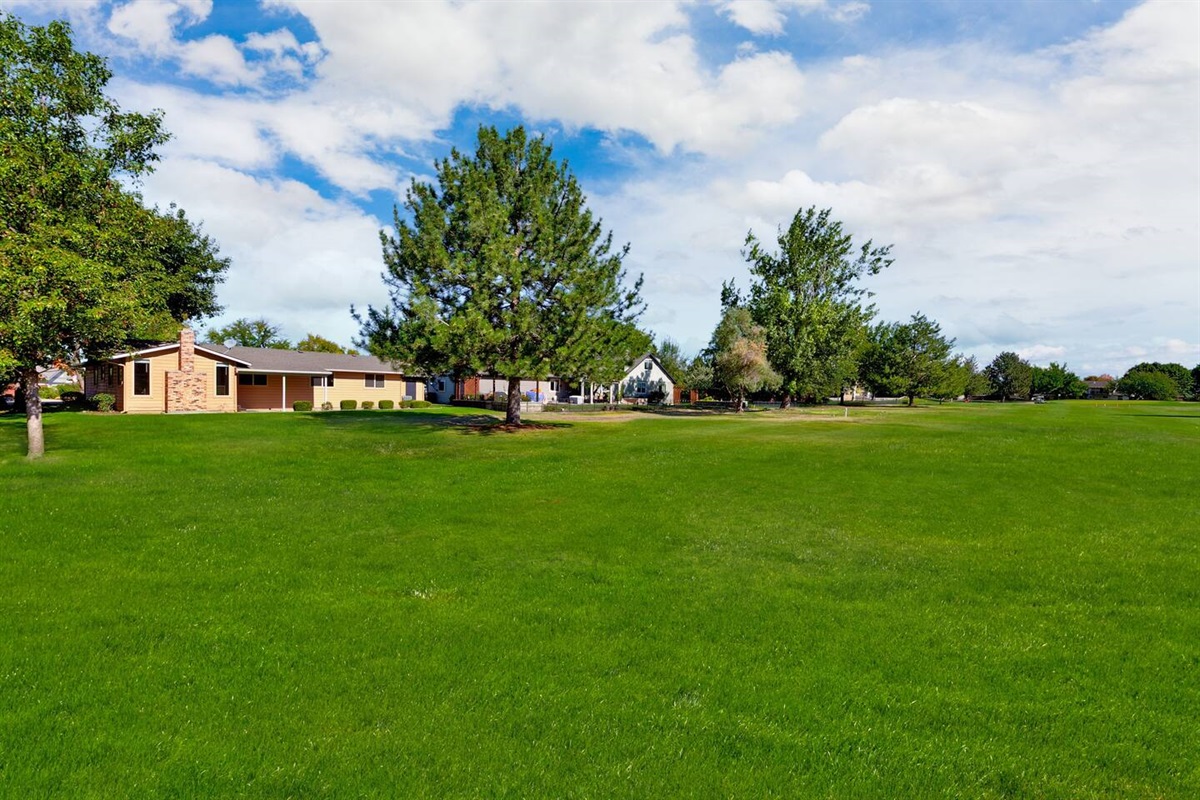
501,268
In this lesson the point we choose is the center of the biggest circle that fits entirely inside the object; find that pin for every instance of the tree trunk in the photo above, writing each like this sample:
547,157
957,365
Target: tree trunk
33,414
786,402
512,415
911,399
741,401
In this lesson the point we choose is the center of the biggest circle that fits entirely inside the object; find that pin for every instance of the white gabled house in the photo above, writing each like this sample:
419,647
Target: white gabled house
648,381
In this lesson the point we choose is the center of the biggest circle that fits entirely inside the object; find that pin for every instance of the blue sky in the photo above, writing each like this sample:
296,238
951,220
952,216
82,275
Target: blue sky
1036,165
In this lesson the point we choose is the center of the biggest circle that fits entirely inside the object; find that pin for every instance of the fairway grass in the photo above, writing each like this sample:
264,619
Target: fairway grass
958,601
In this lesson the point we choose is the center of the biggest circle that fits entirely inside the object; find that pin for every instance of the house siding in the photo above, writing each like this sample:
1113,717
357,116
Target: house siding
271,396
353,386
156,401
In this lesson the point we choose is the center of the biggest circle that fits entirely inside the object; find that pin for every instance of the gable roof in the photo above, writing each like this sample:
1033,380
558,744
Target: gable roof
654,358
216,351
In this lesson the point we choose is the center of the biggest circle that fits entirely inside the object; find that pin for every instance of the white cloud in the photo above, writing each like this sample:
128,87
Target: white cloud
1045,202
298,259
1042,354
768,17
152,23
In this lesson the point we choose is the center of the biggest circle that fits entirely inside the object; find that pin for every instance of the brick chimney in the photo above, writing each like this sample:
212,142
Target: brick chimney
187,350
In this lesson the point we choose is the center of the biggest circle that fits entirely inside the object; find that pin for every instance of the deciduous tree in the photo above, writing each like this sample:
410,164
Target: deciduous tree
250,333
1176,373
312,343
1010,376
808,298
1148,386
1056,382
739,355
500,267
84,266
910,359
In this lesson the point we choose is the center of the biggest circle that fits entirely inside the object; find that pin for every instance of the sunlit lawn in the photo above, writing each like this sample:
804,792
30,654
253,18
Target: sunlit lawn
959,601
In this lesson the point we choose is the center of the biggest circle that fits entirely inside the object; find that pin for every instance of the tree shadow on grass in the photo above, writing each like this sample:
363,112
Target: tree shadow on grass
466,424
1165,416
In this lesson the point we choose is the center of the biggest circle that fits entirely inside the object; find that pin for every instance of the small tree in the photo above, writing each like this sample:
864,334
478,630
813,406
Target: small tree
739,355
909,359
250,333
808,299
1057,382
84,266
670,355
1010,375
501,268
312,343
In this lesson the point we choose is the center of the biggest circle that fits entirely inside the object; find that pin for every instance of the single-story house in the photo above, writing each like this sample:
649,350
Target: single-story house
186,376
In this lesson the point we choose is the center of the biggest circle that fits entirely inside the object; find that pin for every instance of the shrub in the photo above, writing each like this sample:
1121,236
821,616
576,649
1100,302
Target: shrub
302,405
348,405
386,405
327,406
103,401
48,392
421,404
367,405
551,407
406,403
74,397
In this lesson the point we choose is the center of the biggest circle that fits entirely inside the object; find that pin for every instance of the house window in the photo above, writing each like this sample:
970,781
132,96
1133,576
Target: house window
410,390
375,381
251,380
647,365
441,384
222,380
141,378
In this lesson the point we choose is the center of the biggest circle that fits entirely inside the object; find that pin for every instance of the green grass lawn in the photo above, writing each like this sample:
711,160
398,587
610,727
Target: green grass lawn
967,601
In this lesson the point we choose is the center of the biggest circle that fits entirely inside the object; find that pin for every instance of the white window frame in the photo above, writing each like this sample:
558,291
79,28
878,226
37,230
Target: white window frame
217,381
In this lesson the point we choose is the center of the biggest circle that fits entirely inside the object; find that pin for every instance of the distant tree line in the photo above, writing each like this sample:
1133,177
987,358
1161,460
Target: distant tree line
803,332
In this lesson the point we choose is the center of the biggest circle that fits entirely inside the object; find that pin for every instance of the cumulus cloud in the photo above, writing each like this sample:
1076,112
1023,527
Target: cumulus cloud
299,259
1043,199
768,17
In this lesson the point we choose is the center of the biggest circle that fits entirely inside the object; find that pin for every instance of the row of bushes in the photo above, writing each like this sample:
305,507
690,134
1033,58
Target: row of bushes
367,405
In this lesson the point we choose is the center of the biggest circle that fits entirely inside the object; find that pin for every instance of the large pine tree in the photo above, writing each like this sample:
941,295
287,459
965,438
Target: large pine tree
501,268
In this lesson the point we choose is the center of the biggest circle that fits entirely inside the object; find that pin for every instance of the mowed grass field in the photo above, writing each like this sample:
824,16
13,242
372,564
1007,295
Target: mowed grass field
959,601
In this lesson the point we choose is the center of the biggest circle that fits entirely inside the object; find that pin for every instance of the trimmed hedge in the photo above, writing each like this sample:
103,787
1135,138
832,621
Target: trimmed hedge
327,406
302,405
406,403
104,401
367,405
348,405
387,405
421,404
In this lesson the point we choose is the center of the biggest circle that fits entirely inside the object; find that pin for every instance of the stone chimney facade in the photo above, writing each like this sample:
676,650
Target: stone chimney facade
187,390
187,350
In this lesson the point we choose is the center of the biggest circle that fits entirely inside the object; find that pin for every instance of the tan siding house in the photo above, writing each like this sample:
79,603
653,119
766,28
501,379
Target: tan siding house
185,376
